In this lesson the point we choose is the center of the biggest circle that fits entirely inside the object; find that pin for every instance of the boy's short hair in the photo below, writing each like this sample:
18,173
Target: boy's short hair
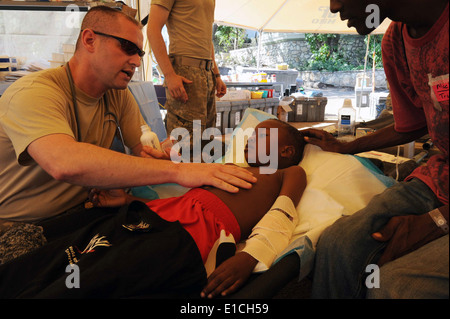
296,138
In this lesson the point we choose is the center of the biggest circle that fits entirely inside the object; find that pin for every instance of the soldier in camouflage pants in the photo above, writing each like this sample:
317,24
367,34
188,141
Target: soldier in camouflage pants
201,104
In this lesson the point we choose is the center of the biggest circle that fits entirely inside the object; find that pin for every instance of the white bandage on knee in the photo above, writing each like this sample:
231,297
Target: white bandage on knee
273,232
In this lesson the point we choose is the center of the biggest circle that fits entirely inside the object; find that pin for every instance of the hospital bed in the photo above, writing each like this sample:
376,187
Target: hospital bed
331,178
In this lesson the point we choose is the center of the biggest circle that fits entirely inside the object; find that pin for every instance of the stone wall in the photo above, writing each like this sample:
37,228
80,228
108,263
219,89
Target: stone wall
319,79
295,51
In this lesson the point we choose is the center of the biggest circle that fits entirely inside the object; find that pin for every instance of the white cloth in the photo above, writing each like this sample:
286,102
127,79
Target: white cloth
273,232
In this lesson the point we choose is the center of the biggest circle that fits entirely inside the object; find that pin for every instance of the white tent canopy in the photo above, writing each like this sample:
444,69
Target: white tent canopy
301,16
284,16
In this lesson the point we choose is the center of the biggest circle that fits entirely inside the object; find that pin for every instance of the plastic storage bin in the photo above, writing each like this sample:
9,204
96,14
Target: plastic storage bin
272,105
237,110
316,109
259,104
308,109
223,109
299,110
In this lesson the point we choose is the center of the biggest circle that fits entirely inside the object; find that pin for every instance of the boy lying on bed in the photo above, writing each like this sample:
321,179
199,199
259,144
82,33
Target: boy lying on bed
206,212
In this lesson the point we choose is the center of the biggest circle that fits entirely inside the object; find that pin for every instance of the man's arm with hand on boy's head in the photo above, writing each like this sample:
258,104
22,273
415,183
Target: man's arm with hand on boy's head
382,138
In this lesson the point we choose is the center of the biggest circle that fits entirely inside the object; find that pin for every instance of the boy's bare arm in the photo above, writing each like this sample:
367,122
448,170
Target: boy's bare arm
294,183
234,272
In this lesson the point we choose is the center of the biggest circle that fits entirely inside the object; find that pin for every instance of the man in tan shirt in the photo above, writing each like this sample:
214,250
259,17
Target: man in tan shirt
54,150
192,78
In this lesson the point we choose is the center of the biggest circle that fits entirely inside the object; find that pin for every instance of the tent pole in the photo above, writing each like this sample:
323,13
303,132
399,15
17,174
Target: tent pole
358,105
258,58
373,65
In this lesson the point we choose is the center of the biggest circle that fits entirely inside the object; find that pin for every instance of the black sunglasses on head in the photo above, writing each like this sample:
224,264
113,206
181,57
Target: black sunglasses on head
127,46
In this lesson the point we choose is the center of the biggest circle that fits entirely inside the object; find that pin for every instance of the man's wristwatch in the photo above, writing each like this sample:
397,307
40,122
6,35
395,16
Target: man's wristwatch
440,221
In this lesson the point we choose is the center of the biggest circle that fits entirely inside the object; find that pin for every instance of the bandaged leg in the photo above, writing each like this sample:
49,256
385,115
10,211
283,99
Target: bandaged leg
273,232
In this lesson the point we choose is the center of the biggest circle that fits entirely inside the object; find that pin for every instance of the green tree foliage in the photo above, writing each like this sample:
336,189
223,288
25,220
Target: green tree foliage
374,46
326,55
230,38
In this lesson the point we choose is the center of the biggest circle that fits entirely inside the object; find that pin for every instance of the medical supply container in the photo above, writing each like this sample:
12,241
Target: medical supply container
308,109
316,109
272,105
237,110
300,109
223,109
259,104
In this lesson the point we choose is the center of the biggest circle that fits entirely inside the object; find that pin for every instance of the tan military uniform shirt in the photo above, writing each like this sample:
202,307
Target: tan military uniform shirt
40,104
190,26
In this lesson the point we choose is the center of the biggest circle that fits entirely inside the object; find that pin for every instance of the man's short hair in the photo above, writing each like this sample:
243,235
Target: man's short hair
102,18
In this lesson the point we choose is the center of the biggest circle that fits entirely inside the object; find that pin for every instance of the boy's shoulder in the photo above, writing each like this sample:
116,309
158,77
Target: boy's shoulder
293,168
295,172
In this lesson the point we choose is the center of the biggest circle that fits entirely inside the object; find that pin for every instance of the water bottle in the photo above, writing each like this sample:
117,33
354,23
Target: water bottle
346,119
150,138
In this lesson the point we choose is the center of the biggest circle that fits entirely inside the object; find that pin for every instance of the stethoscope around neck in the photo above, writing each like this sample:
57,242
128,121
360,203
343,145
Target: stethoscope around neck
109,116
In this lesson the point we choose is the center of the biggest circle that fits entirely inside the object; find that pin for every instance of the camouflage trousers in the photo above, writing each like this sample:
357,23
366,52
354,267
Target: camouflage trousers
201,104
